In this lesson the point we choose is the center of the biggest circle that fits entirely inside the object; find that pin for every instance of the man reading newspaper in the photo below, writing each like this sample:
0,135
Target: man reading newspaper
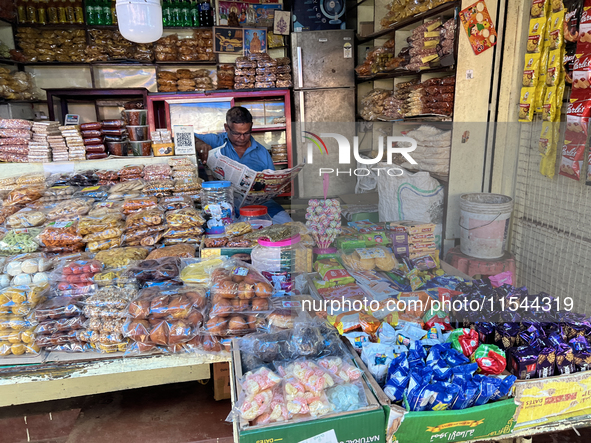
238,144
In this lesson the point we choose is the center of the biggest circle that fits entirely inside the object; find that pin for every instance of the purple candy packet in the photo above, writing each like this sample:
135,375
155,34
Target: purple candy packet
546,358
506,335
524,361
565,359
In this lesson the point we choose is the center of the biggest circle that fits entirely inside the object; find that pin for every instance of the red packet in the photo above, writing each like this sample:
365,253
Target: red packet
571,162
479,27
584,40
577,121
581,76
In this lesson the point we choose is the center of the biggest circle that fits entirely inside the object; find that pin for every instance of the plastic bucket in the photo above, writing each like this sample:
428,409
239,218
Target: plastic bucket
484,223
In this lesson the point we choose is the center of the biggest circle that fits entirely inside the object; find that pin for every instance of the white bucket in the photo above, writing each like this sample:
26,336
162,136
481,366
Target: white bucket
484,222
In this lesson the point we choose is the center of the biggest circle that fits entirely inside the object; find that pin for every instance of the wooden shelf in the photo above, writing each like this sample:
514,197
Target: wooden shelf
408,21
269,128
404,73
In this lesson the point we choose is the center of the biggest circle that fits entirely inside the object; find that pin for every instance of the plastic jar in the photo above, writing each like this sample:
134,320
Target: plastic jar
217,201
256,216
276,259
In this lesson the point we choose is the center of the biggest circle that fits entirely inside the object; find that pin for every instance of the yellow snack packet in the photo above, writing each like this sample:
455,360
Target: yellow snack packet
538,8
546,137
526,104
554,67
531,70
535,38
555,35
540,94
549,106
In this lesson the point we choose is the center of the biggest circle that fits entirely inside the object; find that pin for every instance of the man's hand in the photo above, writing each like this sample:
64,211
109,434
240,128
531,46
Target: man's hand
202,149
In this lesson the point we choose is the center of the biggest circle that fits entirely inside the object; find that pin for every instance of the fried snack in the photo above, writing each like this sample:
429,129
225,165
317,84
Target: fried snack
186,218
119,257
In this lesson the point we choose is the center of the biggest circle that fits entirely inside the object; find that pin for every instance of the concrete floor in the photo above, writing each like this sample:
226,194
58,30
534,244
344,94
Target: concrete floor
179,413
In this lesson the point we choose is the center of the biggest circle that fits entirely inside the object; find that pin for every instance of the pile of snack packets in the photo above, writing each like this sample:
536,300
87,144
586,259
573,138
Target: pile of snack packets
428,43
297,374
426,356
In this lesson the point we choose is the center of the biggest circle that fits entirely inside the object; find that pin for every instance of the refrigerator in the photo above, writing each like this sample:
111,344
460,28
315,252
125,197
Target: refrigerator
324,100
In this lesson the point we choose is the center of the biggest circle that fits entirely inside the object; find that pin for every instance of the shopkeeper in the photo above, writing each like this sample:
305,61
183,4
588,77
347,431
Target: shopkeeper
238,144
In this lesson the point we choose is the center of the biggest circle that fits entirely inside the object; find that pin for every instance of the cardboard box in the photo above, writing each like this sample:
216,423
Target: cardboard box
221,381
551,399
489,420
364,425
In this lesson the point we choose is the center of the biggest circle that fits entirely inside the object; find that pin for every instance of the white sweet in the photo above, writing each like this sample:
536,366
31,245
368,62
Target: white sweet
13,268
4,281
40,277
30,266
21,279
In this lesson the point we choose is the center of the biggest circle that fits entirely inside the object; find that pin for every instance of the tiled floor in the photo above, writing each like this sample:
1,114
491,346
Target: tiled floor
179,413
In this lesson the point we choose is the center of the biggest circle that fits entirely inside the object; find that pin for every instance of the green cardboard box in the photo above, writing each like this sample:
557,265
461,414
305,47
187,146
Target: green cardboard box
489,420
364,425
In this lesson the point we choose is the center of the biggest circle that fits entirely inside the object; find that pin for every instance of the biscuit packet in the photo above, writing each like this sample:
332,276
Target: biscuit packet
540,94
556,5
554,67
572,16
577,121
581,76
526,104
568,61
584,34
539,8
535,39
531,70
571,161
555,36
549,108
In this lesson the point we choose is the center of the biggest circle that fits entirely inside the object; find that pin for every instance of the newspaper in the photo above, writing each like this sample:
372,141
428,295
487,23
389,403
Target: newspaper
250,187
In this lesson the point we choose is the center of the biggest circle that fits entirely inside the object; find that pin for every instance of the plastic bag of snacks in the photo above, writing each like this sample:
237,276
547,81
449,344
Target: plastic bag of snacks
60,324
166,316
154,270
19,241
176,202
24,195
198,270
120,257
17,322
184,250
133,205
70,209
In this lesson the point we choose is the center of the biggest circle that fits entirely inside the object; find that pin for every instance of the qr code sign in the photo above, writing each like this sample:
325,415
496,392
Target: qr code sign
184,140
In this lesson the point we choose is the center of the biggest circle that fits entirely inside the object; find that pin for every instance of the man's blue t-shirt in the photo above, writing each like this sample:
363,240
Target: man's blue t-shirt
256,158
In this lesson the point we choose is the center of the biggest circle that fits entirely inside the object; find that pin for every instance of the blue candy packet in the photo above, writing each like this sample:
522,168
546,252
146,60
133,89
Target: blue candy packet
455,358
398,378
504,387
488,387
437,352
418,393
468,391
441,372
464,373
444,396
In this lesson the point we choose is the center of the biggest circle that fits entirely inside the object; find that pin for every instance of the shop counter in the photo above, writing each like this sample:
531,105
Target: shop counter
65,377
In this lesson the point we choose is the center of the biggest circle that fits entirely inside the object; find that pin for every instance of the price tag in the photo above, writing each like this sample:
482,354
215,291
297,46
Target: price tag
241,271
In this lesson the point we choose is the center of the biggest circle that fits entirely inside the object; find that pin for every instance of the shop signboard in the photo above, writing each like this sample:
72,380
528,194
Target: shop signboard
552,399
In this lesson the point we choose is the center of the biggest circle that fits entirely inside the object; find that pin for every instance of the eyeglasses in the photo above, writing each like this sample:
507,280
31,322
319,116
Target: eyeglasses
240,134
